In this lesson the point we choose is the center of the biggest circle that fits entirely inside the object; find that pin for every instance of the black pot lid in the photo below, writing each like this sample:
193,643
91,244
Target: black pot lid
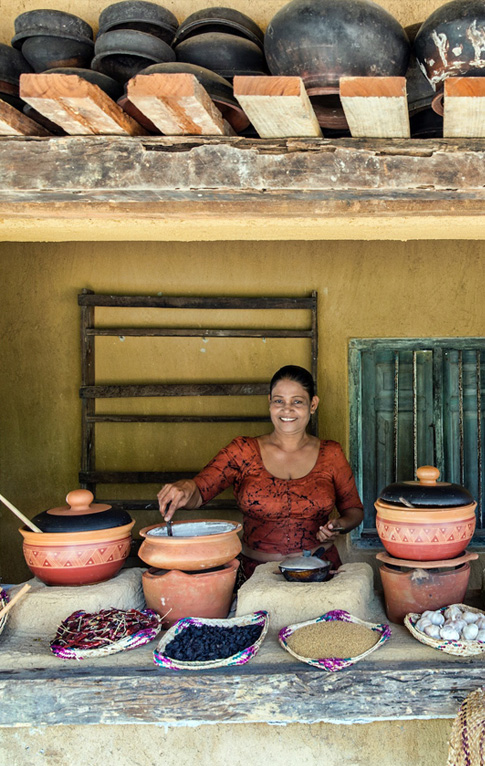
81,515
428,492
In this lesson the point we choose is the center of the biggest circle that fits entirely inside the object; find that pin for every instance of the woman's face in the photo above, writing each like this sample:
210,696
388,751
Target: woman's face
290,407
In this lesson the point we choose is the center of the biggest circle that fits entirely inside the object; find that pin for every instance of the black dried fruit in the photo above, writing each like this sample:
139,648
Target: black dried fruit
200,643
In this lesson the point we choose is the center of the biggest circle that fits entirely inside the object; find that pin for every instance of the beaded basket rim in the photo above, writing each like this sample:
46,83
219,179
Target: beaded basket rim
255,618
460,648
140,638
332,664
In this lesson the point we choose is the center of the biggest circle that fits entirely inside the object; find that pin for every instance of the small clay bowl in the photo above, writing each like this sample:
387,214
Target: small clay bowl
46,52
12,65
122,53
219,89
225,54
50,22
139,15
220,19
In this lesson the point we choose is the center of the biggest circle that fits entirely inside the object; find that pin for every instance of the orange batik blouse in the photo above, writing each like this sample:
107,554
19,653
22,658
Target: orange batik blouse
280,515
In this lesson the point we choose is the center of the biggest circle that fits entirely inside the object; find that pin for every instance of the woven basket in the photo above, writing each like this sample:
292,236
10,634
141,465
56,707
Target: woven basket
461,648
333,664
143,636
4,599
466,746
257,618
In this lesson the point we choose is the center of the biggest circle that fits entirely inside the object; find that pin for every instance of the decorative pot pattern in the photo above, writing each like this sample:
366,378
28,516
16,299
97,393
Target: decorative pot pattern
425,535
77,558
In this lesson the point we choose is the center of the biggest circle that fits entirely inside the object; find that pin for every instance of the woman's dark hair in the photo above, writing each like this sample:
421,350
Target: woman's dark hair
298,374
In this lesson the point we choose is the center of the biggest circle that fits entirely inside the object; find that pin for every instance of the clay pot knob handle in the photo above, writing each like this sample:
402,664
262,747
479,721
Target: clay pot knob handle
428,474
80,499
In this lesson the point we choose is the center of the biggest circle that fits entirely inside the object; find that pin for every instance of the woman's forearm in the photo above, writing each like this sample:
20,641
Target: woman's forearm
348,519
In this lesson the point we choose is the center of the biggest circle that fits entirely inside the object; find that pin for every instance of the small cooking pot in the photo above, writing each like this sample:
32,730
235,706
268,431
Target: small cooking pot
306,568
81,515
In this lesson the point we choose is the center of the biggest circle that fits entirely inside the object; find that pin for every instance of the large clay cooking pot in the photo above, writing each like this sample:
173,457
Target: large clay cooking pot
195,545
324,40
450,43
425,520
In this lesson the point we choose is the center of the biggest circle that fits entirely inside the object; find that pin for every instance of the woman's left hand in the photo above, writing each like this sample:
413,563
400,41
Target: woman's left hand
327,533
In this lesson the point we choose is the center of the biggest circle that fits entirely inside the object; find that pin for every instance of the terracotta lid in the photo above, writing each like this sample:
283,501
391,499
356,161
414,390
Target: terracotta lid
427,492
81,515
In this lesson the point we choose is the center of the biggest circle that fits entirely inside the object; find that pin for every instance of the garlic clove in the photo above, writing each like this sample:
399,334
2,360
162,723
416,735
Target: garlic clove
470,617
470,631
423,623
437,618
432,630
449,633
481,635
453,612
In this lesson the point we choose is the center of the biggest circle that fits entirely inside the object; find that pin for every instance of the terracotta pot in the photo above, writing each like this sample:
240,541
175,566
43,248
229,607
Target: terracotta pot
76,558
174,594
425,532
414,590
195,545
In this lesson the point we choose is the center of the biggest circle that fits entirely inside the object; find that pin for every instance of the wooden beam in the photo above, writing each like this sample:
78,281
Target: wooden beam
464,107
78,106
177,104
15,123
278,107
375,107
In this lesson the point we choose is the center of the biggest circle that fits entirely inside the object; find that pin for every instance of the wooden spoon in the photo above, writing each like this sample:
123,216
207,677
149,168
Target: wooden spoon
27,522
17,596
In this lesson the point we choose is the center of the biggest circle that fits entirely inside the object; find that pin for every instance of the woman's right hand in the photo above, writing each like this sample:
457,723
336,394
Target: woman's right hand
180,494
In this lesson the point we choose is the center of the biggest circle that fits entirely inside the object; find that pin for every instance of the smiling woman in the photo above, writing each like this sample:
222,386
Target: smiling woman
286,483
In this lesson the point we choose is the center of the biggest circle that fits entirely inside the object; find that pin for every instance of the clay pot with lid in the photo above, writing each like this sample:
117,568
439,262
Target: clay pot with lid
324,40
80,544
195,545
425,520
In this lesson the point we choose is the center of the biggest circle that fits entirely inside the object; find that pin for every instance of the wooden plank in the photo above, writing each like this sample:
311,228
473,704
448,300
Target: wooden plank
170,332
177,104
177,418
15,123
78,106
375,107
151,504
193,302
244,694
88,406
464,107
231,179
277,106
176,389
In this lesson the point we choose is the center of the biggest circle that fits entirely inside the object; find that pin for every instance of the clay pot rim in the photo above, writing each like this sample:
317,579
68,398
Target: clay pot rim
19,39
58,539
190,540
389,512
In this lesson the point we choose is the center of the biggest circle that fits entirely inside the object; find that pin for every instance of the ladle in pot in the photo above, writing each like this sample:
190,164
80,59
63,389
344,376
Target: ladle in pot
169,523
26,521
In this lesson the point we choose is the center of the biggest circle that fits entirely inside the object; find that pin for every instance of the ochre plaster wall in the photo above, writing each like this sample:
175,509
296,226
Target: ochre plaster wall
365,290
407,11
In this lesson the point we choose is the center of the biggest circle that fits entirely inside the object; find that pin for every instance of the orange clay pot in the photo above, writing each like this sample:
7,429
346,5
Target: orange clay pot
174,594
415,590
429,531
76,558
190,549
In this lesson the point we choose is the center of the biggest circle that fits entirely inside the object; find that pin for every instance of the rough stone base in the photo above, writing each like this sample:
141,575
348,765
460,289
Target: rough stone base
44,607
288,602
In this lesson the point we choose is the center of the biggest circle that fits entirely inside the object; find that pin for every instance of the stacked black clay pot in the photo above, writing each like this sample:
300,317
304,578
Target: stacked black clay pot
133,34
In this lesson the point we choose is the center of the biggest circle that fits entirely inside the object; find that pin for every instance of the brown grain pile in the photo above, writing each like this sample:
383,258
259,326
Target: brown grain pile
323,640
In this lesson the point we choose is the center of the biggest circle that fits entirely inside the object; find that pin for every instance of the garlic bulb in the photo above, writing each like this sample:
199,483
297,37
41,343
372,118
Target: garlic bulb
481,635
470,632
453,612
456,624
470,617
437,618
449,633
432,630
423,623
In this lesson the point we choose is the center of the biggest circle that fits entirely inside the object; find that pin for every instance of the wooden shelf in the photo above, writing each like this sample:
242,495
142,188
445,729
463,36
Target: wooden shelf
180,188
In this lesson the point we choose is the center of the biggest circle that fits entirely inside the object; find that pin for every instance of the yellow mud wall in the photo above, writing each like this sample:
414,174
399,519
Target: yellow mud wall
365,290
407,11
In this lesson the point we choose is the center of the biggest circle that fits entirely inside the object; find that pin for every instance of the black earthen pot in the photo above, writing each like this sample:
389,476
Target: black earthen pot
46,52
220,19
225,54
122,53
219,89
12,65
324,40
450,43
51,23
143,16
